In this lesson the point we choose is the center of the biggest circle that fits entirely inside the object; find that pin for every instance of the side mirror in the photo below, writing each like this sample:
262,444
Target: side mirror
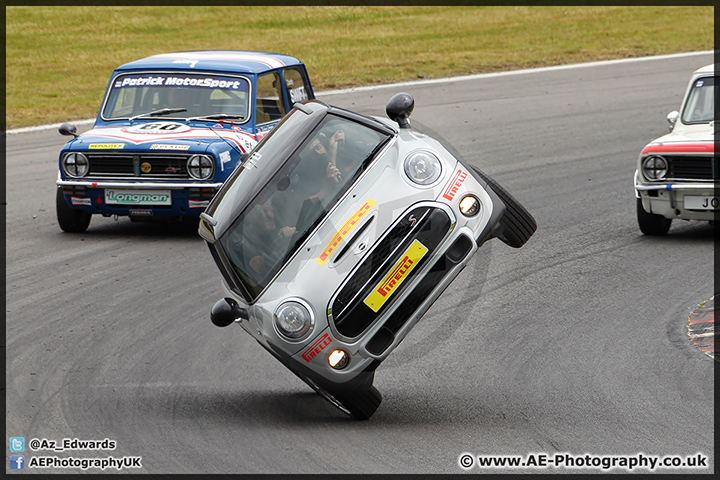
226,311
68,129
672,118
399,109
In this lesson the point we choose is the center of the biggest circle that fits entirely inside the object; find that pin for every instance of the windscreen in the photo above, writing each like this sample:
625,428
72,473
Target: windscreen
199,94
700,105
296,199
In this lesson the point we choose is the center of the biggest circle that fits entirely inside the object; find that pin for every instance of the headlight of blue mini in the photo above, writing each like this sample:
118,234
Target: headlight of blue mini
75,165
293,320
200,167
655,167
423,167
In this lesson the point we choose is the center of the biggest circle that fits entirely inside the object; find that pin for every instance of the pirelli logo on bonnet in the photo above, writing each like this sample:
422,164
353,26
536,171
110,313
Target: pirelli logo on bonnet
408,260
344,231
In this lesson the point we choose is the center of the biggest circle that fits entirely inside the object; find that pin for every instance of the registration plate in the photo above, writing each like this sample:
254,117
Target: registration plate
702,203
137,197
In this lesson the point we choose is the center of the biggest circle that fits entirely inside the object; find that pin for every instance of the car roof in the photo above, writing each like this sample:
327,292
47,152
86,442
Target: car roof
239,61
706,69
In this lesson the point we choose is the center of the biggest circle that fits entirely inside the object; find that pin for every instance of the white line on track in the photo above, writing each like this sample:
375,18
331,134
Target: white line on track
438,80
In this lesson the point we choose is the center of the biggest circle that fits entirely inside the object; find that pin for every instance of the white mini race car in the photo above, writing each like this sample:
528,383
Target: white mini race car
677,174
339,231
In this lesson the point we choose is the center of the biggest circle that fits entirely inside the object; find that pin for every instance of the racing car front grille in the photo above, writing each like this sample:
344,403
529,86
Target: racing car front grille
692,168
145,166
350,314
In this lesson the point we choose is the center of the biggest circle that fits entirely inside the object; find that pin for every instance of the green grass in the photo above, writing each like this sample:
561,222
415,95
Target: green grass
59,59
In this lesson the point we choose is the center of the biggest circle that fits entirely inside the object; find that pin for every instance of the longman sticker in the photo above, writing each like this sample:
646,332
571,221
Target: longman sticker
382,292
344,231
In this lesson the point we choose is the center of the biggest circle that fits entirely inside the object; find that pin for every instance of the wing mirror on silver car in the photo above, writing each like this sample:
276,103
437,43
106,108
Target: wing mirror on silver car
399,108
226,311
672,118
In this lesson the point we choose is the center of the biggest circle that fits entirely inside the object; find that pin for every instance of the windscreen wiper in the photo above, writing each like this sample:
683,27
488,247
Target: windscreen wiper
218,116
157,113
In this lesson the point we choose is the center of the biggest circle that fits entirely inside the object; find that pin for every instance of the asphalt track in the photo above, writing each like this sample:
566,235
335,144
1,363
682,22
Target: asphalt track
575,343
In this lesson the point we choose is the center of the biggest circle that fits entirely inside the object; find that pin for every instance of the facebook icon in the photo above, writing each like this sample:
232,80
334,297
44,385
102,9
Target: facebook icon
17,462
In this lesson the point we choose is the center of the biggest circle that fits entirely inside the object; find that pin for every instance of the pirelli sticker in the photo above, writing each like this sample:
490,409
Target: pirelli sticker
395,277
106,146
344,231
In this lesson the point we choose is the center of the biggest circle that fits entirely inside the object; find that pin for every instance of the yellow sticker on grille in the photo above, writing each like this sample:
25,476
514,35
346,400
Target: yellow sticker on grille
104,146
395,277
344,231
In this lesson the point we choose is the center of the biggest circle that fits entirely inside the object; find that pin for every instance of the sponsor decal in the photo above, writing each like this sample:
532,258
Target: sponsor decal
344,231
81,201
205,83
161,146
298,95
198,203
455,184
106,146
145,167
317,347
135,197
188,80
382,292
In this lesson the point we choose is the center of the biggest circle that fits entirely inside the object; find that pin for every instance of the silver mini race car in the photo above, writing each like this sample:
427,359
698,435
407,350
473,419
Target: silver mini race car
339,231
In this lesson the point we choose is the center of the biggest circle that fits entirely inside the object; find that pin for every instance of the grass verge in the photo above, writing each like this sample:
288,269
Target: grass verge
59,59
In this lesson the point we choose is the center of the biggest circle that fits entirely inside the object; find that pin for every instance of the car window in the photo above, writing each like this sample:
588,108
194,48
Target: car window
700,105
296,85
199,94
269,104
297,198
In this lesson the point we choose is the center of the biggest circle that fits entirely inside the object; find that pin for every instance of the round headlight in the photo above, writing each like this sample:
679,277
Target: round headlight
75,165
200,167
655,168
293,320
469,205
423,168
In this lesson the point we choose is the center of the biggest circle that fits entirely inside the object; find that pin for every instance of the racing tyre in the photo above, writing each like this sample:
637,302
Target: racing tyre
650,223
70,220
516,224
360,403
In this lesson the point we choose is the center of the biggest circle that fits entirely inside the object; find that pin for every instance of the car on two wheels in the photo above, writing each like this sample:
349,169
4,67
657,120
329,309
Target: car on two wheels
337,234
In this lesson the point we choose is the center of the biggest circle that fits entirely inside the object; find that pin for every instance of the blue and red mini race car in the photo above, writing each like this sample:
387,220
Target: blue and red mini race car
170,130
